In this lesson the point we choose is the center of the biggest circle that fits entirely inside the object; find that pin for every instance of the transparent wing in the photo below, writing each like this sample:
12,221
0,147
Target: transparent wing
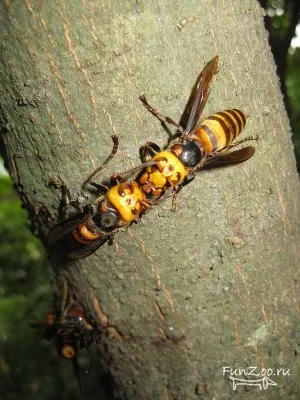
64,227
199,95
231,157
86,250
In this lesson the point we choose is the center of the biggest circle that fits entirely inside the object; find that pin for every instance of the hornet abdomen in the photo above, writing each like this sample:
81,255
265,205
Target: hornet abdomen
219,130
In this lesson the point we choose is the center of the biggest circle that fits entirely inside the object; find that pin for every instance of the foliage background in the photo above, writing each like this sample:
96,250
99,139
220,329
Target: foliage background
29,366
282,22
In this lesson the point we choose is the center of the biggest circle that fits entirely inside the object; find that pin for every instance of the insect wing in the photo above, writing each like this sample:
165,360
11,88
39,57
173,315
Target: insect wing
199,95
64,227
49,330
86,250
76,368
231,157
42,324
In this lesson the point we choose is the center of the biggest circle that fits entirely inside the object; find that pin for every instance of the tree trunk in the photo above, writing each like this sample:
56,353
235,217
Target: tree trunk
184,293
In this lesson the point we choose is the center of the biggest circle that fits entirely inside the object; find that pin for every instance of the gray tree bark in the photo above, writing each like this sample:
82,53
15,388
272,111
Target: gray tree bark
214,284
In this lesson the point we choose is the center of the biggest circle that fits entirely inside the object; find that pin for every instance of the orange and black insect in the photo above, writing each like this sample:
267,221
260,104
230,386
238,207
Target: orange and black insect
121,204
198,146
163,173
69,328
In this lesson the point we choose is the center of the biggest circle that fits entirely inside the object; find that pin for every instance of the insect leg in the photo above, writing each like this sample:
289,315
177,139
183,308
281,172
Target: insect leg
101,188
189,178
97,171
149,150
200,165
67,196
131,174
117,178
158,115
174,202
76,368
242,141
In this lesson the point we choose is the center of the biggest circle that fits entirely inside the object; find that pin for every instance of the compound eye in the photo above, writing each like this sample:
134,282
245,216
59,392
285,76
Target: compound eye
108,220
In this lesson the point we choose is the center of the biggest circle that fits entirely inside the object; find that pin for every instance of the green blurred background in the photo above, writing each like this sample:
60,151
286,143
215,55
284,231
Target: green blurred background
29,365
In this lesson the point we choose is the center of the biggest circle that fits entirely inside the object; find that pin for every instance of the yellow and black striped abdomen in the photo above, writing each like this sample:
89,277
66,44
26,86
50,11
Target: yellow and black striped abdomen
85,233
220,129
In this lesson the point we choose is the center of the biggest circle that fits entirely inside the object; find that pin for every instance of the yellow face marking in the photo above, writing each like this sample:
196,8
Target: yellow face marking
129,203
168,171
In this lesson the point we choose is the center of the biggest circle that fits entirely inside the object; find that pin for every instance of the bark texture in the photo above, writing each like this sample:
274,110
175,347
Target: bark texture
215,284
